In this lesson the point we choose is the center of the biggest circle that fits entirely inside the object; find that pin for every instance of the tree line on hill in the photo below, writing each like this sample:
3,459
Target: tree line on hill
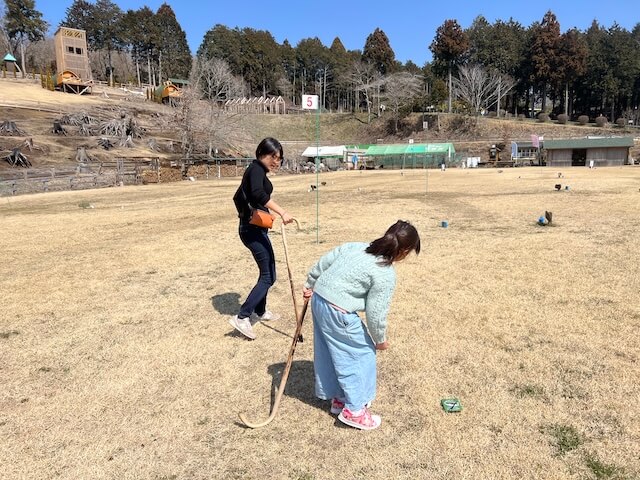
502,67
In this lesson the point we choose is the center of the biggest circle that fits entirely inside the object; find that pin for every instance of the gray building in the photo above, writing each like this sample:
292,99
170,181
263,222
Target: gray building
580,152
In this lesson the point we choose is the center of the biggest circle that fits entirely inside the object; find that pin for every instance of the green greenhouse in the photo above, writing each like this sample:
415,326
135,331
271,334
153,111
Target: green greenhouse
412,155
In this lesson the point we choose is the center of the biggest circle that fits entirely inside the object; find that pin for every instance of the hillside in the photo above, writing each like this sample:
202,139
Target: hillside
34,110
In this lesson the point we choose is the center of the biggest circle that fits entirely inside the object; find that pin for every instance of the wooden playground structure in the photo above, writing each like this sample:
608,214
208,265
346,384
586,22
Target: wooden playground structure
73,73
272,105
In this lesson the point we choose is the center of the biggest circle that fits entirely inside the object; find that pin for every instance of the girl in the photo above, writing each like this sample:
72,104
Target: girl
354,277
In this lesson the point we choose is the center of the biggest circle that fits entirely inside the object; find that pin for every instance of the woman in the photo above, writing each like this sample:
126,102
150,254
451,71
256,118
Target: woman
255,192
354,277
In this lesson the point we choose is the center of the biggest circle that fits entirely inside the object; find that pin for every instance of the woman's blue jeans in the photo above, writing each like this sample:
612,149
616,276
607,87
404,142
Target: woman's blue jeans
344,356
257,241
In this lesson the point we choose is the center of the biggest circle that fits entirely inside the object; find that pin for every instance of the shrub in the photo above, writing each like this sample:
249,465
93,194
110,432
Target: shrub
508,115
601,121
621,122
492,114
543,117
521,116
565,437
603,470
583,119
563,118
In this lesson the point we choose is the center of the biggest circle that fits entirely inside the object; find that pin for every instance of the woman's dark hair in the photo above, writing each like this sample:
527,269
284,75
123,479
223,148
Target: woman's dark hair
269,146
399,239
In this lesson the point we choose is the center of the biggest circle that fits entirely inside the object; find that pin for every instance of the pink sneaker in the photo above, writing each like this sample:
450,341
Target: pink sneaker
363,421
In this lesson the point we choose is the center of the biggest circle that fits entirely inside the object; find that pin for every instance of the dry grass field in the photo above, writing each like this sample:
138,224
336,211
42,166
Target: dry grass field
117,361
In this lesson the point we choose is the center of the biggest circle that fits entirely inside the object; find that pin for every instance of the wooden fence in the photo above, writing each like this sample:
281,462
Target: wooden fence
212,167
116,172
120,171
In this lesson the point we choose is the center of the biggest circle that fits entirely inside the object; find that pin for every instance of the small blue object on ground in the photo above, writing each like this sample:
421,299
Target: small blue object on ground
542,220
444,224
451,405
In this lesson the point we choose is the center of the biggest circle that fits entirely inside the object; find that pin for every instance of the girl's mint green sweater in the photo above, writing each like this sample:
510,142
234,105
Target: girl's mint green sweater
354,280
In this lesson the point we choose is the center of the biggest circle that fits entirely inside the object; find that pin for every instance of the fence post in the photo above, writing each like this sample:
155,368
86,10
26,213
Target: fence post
118,171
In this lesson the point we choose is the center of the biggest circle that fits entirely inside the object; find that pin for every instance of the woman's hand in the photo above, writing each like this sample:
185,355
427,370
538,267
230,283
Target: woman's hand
274,207
382,346
286,218
307,292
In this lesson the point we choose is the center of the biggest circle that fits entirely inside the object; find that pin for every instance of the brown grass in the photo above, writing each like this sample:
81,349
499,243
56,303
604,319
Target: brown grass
116,359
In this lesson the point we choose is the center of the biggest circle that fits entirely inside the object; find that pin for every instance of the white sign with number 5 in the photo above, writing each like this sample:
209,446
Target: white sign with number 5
309,102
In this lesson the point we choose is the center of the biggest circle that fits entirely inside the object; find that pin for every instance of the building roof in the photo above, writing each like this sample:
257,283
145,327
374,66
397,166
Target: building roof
323,152
527,144
179,81
9,58
410,149
599,142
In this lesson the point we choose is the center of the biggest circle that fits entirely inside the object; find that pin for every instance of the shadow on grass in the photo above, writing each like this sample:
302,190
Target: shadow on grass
300,385
226,303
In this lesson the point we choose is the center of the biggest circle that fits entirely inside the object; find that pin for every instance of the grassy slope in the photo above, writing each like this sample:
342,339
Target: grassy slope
298,131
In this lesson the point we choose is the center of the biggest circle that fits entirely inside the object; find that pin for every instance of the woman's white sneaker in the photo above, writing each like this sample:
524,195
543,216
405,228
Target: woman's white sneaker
265,317
243,325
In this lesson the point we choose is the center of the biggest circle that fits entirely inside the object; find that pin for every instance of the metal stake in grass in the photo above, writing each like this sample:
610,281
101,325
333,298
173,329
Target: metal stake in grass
296,336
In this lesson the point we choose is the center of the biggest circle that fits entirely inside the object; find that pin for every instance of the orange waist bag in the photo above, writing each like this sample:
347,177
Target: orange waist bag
260,218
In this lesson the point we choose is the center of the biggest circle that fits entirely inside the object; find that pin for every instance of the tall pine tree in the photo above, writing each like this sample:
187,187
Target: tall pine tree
140,33
378,52
543,54
23,24
105,31
572,57
174,55
449,46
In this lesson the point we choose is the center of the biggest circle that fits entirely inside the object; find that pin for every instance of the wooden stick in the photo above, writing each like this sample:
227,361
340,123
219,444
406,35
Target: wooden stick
285,375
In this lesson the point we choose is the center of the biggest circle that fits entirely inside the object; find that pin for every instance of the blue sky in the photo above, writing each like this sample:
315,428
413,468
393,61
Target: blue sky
410,25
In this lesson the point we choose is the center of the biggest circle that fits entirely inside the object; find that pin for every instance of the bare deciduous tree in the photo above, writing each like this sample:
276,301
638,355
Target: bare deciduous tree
367,81
215,80
187,119
285,87
42,54
5,44
202,118
479,88
399,91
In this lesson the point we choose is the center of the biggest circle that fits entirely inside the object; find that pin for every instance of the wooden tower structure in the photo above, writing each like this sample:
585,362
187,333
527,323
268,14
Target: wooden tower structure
73,73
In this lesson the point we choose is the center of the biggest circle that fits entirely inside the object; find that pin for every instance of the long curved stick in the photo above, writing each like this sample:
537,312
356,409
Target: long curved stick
299,319
285,376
